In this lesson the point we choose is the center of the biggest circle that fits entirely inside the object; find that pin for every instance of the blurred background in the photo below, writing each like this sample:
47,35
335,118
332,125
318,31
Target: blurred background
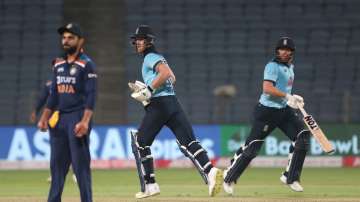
217,49
208,43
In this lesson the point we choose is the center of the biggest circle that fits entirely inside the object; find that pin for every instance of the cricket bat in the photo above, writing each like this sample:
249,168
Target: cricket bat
317,132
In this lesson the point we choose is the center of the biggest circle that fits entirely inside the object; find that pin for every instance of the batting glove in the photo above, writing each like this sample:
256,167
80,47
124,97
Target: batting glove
136,87
294,101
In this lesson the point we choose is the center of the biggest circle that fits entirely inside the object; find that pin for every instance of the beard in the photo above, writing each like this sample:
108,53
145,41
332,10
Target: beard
139,49
69,50
284,58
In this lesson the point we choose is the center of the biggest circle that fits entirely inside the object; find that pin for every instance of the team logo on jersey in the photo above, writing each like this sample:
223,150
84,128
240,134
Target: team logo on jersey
266,128
61,69
73,70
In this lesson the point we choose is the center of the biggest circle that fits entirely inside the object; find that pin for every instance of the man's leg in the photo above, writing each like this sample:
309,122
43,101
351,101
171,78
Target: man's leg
151,124
191,148
59,163
247,152
294,128
80,156
188,144
265,121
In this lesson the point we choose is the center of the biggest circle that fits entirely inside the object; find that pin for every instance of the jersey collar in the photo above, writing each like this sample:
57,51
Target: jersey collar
151,49
283,63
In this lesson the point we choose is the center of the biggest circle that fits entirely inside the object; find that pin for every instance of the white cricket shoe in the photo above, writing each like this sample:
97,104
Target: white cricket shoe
150,190
74,178
295,186
215,178
228,187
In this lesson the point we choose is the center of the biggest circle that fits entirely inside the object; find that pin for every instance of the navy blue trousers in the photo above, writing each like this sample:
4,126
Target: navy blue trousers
165,111
67,149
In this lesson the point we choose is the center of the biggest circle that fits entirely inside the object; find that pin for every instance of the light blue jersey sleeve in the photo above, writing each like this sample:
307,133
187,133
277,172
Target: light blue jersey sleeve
271,72
149,73
283,77
151,60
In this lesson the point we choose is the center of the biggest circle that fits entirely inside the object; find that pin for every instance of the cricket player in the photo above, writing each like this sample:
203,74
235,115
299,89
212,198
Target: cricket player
163,109
40,103
72,93
276,108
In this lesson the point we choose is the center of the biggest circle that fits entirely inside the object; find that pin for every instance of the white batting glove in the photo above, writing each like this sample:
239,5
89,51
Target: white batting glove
299,100
294,101
142,95
136,86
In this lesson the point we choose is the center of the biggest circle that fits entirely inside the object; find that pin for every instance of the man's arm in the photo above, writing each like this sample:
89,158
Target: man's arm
82,127
44,94
164,73
269,88
52,102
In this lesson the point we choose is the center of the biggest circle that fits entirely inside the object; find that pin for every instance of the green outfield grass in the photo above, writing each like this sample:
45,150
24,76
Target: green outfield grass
257,184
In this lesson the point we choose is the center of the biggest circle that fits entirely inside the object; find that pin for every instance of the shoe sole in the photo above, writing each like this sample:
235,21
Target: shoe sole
218,183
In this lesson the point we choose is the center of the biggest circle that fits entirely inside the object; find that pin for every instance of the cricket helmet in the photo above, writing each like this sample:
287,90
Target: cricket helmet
145,32
285,42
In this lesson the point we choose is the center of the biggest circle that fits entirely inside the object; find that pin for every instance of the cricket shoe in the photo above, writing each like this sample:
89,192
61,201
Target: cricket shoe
228,187
74,178
295,186
215,178
150,190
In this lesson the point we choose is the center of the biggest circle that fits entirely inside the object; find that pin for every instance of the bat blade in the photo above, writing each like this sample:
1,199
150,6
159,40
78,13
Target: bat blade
318,134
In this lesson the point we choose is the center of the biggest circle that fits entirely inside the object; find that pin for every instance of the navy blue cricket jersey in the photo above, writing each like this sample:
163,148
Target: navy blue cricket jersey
73,85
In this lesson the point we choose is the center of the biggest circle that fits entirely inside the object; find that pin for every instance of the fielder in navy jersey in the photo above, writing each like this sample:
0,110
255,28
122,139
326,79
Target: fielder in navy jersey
163,109
40,103
276,108
72,93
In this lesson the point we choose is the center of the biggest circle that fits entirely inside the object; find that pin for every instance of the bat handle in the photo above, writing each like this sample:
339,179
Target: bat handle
302,110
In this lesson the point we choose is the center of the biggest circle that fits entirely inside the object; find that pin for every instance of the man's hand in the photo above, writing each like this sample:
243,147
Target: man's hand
81,129
143,94
140,92
136,86
294,101
42,125
43,122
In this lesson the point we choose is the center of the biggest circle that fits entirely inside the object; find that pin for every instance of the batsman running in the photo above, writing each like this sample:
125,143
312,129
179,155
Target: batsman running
276,108
163,109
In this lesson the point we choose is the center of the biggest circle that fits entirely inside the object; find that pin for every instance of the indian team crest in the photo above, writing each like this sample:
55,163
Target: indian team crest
73,70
